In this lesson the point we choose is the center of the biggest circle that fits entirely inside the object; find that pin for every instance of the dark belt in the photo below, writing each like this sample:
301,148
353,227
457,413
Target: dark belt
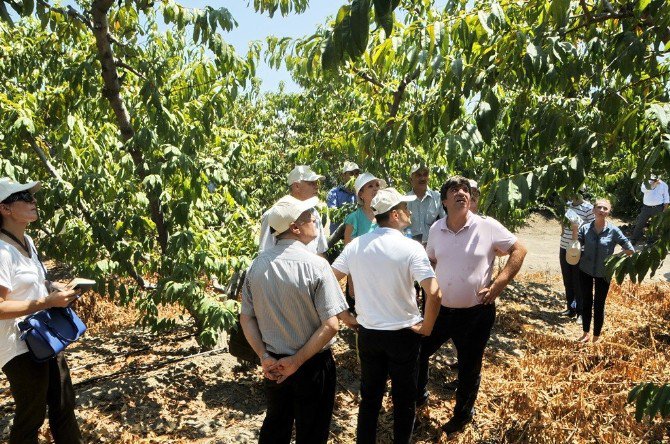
654,206
474,308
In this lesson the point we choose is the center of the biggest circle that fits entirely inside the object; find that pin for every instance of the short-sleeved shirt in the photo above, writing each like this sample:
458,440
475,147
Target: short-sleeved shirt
424,213
384,265
340,196
585,212
290,291
360,223
268,240
598,247
24,278
656,196
464,260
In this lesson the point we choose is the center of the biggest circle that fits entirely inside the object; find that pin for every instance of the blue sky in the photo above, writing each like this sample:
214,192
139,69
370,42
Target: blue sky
253,26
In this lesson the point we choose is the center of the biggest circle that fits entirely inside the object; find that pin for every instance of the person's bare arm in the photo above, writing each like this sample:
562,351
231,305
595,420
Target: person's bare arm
338,274
15,309
253,334
288,365
348,232
433,303
348,319
517,253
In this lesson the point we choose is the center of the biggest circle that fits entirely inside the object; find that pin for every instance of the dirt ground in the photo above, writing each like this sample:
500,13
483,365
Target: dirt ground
538,385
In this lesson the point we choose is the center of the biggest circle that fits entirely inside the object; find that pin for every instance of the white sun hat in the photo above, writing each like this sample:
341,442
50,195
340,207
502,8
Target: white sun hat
303,172
387,199
350,166
9,187
287,210
365,178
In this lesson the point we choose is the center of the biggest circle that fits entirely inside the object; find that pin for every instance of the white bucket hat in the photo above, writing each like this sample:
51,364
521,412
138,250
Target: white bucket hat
418,166
387,199
9,187
287,210
303,172
365,178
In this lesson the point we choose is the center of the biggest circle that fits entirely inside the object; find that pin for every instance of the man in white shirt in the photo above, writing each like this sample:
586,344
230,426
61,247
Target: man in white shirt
303,184
463,247
427,207
384,265
655,200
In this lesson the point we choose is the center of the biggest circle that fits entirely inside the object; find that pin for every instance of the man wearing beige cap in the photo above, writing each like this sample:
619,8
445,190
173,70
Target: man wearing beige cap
427,207
384,265
341,194
303,184
290,304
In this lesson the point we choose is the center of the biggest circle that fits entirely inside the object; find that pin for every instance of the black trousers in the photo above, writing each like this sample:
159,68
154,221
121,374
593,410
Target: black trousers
593,301
35,386
572,283
646,213
470,329
306,397
383,353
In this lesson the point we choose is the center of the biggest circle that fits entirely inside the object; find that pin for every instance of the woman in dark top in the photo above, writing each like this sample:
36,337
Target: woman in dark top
598,238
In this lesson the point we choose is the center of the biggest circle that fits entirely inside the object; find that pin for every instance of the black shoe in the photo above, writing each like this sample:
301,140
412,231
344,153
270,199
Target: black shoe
451,385
456,425
568,313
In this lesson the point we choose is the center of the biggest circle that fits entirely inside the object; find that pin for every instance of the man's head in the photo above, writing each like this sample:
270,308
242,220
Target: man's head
291,218
418,178
349,170
455,195
390,208
303,182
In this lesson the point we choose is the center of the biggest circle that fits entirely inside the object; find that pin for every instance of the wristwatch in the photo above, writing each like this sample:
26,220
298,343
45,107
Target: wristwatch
265,356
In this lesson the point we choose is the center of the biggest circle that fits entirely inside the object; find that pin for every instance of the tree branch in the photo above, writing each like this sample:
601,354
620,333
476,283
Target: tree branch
367,77
45,160
586,10
398,94
599,19
124,65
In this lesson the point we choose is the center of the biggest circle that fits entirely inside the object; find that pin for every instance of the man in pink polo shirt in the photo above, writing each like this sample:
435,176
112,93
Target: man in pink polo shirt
462,248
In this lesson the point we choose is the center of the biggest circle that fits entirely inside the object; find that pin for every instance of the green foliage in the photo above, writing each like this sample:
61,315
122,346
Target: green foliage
650,400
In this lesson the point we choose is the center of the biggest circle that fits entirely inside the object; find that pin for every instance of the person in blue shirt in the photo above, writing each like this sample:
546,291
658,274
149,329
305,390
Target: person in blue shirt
362,221
598,239
341,194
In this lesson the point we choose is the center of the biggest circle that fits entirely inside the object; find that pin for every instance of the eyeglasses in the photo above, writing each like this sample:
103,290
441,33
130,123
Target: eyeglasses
24,196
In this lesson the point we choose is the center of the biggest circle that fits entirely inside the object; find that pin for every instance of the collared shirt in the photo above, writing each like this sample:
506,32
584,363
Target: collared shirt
267,239
384,265
598,247
24,278
464,260
340,196
657,196
425,212
585,211
290,291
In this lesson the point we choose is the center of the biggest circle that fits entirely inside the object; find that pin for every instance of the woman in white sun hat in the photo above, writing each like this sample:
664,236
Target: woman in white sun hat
362,220
23,291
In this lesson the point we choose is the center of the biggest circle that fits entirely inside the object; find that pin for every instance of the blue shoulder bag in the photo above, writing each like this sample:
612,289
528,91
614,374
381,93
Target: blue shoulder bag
48,332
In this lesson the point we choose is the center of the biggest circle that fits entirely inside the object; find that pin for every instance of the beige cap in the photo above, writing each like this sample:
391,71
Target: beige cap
387,199
9,187
303,172
287,210
417,167
350,166
365,178
574,253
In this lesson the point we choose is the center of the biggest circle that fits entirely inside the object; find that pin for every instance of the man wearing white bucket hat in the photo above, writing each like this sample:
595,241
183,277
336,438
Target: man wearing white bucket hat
384,265
303,184
427,207
343,194
290,304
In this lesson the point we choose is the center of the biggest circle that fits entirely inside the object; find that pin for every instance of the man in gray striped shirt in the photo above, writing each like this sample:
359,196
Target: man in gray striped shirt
290,306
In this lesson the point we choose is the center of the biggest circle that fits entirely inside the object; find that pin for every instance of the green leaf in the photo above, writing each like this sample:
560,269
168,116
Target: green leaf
559,11
641,6
360,27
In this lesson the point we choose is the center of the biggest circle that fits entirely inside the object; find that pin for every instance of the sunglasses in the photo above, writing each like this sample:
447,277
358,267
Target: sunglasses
24,196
